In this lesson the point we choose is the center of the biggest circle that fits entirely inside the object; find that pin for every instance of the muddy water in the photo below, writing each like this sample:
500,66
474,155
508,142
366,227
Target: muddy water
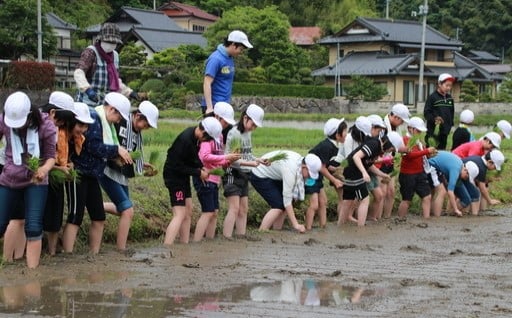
445,267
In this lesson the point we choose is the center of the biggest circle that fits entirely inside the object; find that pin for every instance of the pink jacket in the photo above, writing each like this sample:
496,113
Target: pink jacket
472,148
212,156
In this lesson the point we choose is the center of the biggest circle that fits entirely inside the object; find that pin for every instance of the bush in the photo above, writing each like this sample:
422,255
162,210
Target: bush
153,85
272,90
31,75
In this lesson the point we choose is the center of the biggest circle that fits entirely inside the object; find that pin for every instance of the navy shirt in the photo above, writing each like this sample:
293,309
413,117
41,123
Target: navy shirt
482,167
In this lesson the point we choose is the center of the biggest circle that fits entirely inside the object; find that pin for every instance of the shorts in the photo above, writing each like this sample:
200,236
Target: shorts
319,184
270,190
117,192
208,194
413,183
355,192
374,182
87,195
235,183
54,208
466,192
179,192
435,178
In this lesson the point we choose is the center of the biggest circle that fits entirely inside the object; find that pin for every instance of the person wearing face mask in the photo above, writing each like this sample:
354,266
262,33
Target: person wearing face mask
97,73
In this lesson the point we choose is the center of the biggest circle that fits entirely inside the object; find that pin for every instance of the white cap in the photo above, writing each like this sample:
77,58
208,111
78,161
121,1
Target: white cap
239,37
396,140
119,102
82,114
466,116
212,127
445,77
473,170
61,100
314,164
364,125
494,138
225,111
497,157
376,120
16,109
505,128
331,126
401,111
150,111
256,113
418,123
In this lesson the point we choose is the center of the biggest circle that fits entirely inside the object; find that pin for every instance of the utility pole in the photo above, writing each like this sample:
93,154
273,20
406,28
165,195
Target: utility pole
423,11
387,9
39,33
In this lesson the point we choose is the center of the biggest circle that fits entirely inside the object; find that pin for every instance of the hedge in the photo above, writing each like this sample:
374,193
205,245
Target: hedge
31,75
273,90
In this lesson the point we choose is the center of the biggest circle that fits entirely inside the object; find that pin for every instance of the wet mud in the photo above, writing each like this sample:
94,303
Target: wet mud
443,267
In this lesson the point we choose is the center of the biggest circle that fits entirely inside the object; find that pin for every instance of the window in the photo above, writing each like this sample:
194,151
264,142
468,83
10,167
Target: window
198,28
431,87
440,55
409,93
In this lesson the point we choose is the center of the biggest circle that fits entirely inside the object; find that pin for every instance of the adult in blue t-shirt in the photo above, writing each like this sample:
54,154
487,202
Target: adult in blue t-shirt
452,168
220,70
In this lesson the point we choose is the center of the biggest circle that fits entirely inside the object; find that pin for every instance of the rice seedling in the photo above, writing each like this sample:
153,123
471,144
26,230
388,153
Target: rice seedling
281,155
217,172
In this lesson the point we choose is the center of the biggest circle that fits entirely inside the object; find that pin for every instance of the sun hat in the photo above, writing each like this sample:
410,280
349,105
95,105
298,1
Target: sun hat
445,77
82,114
505,128
417,123
239,37
225,111
62,100
16,109
256,113
466,116
494,138
376,120
150,111
119,102
497,157
331,126
364,125
314,164
212,127
110,33
401,111
396,140
473,170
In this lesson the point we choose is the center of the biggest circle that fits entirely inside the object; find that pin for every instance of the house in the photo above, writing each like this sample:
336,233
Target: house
305,36
388,51
188,17
66,59
483,57
152,30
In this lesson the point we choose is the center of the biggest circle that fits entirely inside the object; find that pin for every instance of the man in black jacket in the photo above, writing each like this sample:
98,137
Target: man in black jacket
439,110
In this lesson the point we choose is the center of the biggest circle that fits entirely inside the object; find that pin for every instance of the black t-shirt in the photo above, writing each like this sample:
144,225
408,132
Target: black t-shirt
442,106
482,167
461,135
372,149
325,150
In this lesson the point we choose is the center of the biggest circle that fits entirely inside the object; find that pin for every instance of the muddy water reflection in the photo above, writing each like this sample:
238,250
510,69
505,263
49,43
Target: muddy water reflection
67,297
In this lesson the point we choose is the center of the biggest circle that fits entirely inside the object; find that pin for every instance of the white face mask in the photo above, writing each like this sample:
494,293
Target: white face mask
108,47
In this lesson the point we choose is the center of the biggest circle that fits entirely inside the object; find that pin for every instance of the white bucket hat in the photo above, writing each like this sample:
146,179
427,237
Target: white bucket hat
239,37
494,138
82,113
212,127
314,164
119,102
417,123
376,120
150,111
225,111
16,109
401,111
256,113
364,125
331,126
497,157
466,116
505,127
61,100
396,140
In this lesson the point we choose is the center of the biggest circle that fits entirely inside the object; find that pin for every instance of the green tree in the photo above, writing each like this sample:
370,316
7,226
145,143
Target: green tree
505,89
363,88
132,59
469,91
18,30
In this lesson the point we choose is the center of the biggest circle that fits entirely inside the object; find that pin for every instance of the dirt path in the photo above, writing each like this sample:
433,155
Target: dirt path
446,267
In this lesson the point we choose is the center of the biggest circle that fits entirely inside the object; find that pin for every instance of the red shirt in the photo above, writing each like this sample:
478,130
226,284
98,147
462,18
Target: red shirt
412,162
472,148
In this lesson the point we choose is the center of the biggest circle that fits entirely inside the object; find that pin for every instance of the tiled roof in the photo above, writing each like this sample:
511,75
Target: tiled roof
176,9
305,35
57,23
158,40
482,55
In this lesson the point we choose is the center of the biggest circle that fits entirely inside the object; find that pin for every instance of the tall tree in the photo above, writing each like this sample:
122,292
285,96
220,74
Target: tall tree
18,30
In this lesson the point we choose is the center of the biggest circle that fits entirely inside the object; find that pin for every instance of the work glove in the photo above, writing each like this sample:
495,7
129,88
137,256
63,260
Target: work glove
91,94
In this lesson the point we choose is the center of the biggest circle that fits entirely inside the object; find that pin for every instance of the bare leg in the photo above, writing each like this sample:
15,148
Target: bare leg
475,208
185,225
110,207
270,218
403,208
437,205
362,211
124,228
53,239
241,220
69,237
231,216
377,204
14,240
33,253
389,198
278,223
322,208
347,211
202,225
340,202
95,236
426,203
212,226
312,208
